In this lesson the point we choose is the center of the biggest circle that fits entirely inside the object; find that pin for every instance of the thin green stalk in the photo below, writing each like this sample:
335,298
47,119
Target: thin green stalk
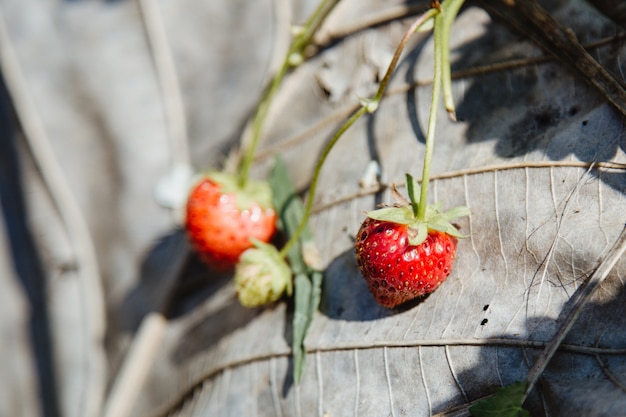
432,120
313,24
369,106
257,123
450,10
300,42
318,168
396,56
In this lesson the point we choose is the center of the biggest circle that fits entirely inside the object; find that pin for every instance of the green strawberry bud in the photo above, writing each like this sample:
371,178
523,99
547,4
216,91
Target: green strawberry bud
261,275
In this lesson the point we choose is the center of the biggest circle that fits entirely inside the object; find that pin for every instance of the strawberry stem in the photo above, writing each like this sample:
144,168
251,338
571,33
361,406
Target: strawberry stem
451,10
398,52
441,79
432,120
369,106
313,187
294,57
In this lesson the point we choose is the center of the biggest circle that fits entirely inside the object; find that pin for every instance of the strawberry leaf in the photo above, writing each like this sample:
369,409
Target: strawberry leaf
308,279
300,323
507,402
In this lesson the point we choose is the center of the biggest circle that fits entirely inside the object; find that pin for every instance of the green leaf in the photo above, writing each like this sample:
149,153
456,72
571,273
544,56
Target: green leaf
308,280
507,402
301,321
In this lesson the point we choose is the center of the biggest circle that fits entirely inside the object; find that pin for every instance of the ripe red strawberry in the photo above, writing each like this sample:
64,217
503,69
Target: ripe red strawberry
222,218
397,271
404,255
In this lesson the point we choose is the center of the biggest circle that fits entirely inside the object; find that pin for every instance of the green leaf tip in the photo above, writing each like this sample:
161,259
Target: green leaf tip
507,402
410,187
399,215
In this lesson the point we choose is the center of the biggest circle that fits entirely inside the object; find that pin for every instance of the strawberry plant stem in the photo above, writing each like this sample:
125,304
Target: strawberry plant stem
401,45
451,9
294,57
432,119
369,106
441,79
258,121
318,168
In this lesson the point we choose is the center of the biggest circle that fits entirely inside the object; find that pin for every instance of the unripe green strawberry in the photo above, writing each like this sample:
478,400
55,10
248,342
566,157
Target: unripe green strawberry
222,218
261,276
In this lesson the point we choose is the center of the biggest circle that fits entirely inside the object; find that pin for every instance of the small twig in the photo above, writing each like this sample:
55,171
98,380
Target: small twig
344,112
136,366
126,387
358,345
171,190
473,171
168,80
530,19
609,374
92,296
380,17
131,377
580,300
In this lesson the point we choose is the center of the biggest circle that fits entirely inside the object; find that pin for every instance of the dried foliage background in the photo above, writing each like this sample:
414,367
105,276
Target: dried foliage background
86,251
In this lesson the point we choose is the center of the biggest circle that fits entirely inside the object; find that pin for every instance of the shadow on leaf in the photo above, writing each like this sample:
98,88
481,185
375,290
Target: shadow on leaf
346,296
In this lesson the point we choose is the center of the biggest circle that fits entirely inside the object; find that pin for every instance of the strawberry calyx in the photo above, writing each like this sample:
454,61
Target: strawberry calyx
434,217
246,196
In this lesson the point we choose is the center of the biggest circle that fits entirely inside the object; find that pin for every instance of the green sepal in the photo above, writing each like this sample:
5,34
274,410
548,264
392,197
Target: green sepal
434,219
441,221
456,212
422,232
399,215
254,192
448,229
